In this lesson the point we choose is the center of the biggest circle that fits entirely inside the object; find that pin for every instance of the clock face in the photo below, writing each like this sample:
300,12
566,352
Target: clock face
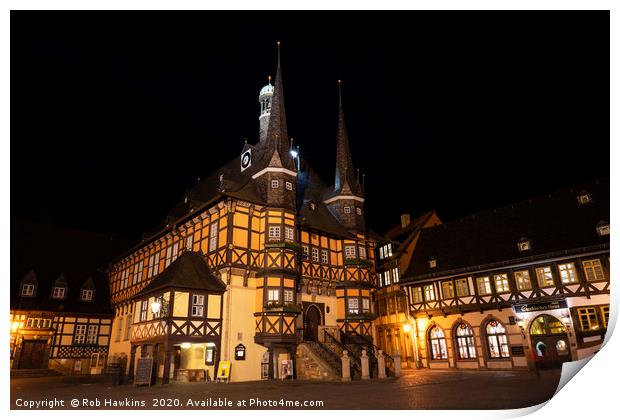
246,160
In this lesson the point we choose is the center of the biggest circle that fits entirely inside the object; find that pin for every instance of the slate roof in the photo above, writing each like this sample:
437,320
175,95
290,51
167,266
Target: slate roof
49,254
189,271
553,223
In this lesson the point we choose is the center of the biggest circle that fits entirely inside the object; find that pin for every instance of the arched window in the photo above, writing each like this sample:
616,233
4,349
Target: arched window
437,343
465,344
497,341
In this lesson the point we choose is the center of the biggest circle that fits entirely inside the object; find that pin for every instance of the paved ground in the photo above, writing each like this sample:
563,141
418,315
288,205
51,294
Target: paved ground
416,389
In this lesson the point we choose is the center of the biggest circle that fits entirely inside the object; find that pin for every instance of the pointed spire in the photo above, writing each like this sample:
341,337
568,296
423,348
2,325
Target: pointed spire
345,172
277,133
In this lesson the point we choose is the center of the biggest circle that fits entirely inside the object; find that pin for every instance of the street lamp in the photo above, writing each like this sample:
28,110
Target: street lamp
155,307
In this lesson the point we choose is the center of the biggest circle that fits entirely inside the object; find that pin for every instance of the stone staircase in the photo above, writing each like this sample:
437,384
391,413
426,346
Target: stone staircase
315,362
33,373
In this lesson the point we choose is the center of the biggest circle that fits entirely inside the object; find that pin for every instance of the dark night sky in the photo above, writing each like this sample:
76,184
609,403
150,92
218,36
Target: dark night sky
114,115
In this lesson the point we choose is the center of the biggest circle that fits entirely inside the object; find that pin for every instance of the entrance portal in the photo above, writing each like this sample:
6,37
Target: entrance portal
312,320
549,342
33,354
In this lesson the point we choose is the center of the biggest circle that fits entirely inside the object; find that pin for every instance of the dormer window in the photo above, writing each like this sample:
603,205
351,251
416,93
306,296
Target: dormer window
27,289
347,210
584,198
524,245
58,292
432,263
602,228
86,295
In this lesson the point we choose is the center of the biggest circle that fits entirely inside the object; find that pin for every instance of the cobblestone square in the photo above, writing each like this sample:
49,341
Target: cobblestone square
416,389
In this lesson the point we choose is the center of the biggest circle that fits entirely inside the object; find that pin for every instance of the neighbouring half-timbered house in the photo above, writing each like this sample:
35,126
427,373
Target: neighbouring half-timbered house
521,286
390,301
292,254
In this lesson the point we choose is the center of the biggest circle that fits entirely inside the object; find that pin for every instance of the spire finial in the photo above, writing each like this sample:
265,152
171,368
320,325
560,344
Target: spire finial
340,92
269,79
278,54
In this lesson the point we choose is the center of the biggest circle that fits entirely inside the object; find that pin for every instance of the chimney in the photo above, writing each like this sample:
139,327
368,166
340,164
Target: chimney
405,219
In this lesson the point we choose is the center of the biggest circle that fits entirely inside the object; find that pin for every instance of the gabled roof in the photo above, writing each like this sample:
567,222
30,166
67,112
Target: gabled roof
553,223
189,271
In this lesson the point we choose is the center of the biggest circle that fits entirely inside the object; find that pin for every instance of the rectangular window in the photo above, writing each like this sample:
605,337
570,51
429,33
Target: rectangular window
119,328
156,265
289,186
362,252
395,274
213,236
324,256
27,289
86,295
400,303
151,264
429,293
168,257
79,336
91,337
273,296
447,289
175,250
353,306
315,254
365,305
347,210
545,277
128,328
274,183
198,305
462,287
144,310
593,270
501,283
605,313
304,252
289,233
358,210
288,296
58,293
484,286
274,233
417,295
189,241
522,278
349,251
588,319
568,274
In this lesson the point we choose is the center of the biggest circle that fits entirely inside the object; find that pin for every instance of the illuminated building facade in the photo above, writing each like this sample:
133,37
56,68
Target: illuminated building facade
258,258
517,287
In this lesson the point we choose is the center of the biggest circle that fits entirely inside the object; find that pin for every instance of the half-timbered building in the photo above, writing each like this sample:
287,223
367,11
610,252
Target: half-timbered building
282,256
522,286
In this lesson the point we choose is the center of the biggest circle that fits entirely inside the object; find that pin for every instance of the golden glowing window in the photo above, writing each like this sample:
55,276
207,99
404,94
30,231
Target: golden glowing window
593,270
568,274
522,278
545,277
429,293
462,288
501,283
605,313
588,319
484,285
417,295
447,289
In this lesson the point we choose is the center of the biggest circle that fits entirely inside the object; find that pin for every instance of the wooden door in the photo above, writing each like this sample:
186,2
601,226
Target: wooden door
33,354
312,320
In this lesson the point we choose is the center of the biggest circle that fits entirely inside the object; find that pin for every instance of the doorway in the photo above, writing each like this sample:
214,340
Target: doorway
550,343
312,320
33,354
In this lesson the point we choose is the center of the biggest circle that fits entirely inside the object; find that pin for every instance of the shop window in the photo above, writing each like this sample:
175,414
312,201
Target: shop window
545,277
462,287
437,344
501,283
497,340
465,344
568,274
484,286
588,319
593,270
522,278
